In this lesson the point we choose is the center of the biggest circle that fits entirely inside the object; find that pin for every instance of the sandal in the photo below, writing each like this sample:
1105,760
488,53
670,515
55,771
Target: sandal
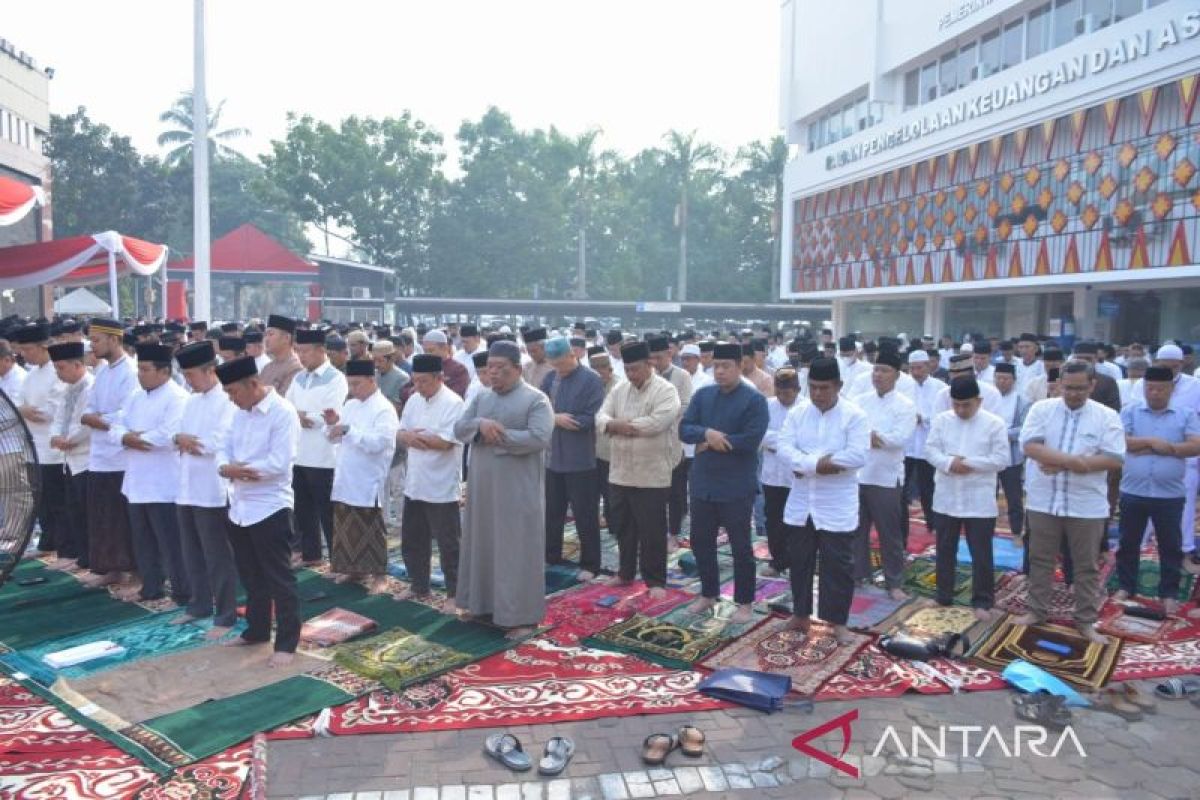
556,755
1177,688
1112,700
691,741
657,747
1042,708
1139,698
506,748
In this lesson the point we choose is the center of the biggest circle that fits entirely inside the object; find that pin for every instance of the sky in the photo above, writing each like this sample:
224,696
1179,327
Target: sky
633,68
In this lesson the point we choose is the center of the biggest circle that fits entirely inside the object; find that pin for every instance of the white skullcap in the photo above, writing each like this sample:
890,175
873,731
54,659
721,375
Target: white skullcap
690,350
1169,352
967,348
918,357
435,336
504,329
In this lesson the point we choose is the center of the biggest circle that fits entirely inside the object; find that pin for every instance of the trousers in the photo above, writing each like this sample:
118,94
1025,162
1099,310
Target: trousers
1082,536
423,523
882,507
312,487
263,554
774,500
640,516
734,516
834,549
156,549
208,559
979,531
579,490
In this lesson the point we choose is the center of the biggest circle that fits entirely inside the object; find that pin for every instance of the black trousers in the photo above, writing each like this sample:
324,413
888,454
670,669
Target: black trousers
52,507
677,502
314,511
422,523
979,531
208,557
1013,486
775,499
156,548
918,482
74,542
880,507
640,515
579,490
835,549
734,516
264,563
602,482
1166,514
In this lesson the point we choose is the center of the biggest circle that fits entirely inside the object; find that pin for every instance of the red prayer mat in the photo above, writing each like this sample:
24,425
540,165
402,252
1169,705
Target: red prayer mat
335,626
576,613
1162,660
873,673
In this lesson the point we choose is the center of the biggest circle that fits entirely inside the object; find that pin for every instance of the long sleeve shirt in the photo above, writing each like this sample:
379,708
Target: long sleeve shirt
1150,474
265,439
647,459
279,373
982,443
114,386
11,383
843,433
71,408
923,394
313,391
151,476
603,441
989,393
434,476
682,382
1090,430
580,394
365,454
775,471
208,416
741,414
42,391
893,418
1012,408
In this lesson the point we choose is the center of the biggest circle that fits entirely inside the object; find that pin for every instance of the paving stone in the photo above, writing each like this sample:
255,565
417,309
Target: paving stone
689,779
739,780
456,792
558,789
636,777
763,780
644,789
368,795
660,774
507,791
425,793
612,786
886,788
714,779
667,787
912,782
341,796
530,791
478,792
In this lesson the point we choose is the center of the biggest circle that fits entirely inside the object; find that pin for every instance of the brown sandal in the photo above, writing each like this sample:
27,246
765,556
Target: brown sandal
657,747
1137,697
1112,700
691,741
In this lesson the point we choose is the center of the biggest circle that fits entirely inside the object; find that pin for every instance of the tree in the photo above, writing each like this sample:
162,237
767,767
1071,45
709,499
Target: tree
684,157
179,137
765,162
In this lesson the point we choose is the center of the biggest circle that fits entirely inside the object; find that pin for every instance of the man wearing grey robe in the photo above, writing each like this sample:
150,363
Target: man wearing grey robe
500,566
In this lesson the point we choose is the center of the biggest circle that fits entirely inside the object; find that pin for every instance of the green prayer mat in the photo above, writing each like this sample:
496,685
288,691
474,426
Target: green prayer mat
676,639
921,577
1149,571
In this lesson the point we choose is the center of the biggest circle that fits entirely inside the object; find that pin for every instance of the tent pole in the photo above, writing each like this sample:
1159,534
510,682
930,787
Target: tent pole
202,301
113,296
165,307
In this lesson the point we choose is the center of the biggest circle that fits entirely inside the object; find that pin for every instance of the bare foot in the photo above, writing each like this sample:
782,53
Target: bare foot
1170,605
742,615
1089,632
519,633
295,560
657,593
409,594
617,580
898,594
338,577
1026,619
105,579
672,544
216,632
129,593
61,564
701,604
984,614
280,659
799,623
239,641
585,576
843,634
449,605
377,585
183,619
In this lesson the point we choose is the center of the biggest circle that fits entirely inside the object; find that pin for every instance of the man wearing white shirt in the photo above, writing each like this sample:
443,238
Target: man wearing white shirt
366,431
432,485
257,458
774,473
1013,409
968,447
253,340
471,345
12,374
1135,368
73,440
849,365
36,404
319,386
1037,387
919,473
203,499
961,366
1028,365
146,429
613,340
892,418
825,442
1073,442
981,360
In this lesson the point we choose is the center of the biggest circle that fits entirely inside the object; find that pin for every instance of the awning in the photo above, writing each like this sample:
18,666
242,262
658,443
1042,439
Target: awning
78,260
18,199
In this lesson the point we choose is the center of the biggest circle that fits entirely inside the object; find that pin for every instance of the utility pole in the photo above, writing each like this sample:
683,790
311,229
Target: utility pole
202,258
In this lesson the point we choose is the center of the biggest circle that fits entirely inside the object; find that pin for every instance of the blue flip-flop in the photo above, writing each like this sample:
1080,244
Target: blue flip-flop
556,756
506,748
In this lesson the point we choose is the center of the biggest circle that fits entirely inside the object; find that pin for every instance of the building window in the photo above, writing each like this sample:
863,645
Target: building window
912,89
1037,32
929,88
1066,21
989,54
1097,14
1013,49
949,72
1123,9
967,71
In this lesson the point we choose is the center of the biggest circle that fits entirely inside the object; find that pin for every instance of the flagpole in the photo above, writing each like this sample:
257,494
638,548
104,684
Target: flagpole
200,229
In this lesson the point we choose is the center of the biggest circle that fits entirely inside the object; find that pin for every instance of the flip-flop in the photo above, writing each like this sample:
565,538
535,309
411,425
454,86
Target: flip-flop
556,755
1139,698
691,741
657,747
1177,688
506,748
1113,701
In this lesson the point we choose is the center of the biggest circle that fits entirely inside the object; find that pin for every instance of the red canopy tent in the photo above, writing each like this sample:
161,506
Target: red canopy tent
18,199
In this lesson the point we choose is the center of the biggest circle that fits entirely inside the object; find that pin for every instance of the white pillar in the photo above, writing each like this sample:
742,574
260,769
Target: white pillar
114,297
1081,302
200,223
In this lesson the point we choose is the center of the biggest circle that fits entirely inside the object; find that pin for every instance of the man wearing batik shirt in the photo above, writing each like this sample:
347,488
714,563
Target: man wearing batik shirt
73,439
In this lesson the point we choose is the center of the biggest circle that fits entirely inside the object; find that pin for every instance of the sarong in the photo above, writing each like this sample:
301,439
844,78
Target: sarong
110,543
359,540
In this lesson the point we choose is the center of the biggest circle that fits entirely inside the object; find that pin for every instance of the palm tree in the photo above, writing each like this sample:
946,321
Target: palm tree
179,136
684,156
586,164
765,162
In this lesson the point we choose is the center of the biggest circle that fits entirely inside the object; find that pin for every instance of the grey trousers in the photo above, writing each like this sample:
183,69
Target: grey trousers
1046,534
156,550
882,507
208,559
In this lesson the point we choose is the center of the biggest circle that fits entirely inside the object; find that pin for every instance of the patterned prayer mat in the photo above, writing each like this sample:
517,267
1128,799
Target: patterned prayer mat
1162,660
1115,622
1147,581
677,639
578,613
765,589
924,621
1084,663
809,659
872,608
873,673
921,577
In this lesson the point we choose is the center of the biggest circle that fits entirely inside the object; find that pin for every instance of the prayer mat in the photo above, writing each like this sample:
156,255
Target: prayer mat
870,673
677,639
577,613
920,537
809,659
334,627
1138,629
871,608
764,589
1162,660
1006,554
921,577
534,683
1012,595
561,576
1085,664
1147,581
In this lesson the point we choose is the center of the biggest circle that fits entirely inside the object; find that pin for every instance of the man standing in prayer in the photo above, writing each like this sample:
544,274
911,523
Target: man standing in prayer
575,396
637,416
1012,409
257,459
1028,365
318,388
893,419
825,442
283,364
726,421
968,447
471,345
432,483
758,378
146,429
12,374
919,472
1160,438
73,439
677,500
391,379
538,367
601,363
36,403
1073,442
110,543
775,474
365,432
202,502
501,568
454,375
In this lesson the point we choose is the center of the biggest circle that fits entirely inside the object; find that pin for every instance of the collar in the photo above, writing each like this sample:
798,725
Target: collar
264,406
321,370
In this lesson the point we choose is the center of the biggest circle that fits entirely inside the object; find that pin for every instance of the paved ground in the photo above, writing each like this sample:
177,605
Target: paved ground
749,755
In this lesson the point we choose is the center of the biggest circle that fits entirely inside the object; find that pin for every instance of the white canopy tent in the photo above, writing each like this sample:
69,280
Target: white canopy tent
81,301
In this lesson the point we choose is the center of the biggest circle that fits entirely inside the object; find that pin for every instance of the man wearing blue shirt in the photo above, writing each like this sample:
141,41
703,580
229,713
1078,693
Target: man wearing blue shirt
1159,437
726,420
